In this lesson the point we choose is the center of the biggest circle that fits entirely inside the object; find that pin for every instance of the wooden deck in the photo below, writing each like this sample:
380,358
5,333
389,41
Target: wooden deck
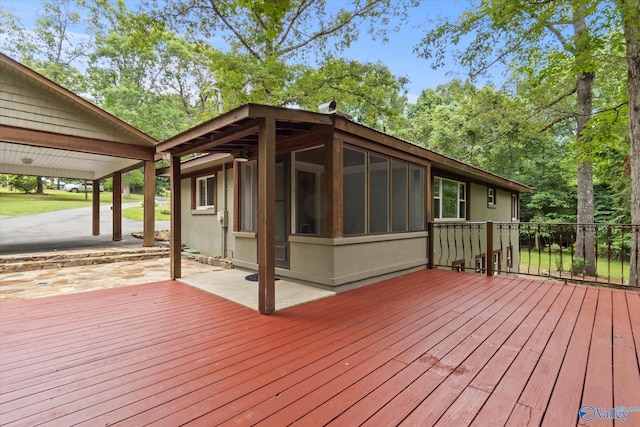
429,348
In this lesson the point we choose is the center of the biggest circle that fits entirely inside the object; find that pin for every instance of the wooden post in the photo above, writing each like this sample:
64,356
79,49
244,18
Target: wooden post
334,189
430,245
117,207
266,216
176,222
95,211
149,220
489,252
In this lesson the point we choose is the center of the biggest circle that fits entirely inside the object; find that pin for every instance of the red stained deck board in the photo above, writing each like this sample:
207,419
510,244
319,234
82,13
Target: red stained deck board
565,399
490,337
540,384
506,390
598,390
197,359
626,371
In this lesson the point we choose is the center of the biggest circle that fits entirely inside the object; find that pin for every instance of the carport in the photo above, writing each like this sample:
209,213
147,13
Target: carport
46,130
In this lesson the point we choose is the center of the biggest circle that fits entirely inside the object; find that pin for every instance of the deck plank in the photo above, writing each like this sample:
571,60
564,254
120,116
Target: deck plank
427,348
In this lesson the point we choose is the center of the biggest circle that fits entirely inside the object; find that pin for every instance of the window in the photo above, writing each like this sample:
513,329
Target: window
449,199
458,265
309,191
379,194
417,198
248,195
354,199
491,197
205,192
400,196
515,212
480,263
497,260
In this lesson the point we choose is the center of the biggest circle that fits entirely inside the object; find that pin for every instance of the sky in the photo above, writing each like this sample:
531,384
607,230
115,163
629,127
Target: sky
397,54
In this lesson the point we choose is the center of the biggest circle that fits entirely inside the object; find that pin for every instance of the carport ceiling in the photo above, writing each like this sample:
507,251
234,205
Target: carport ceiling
41,161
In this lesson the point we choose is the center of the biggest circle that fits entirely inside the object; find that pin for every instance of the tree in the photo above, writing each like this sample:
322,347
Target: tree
630,16
271,44
551,45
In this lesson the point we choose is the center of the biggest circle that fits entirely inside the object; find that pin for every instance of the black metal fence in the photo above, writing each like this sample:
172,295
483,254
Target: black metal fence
590,253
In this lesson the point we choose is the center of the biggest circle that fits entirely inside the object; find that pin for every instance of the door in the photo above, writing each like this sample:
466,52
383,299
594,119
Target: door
282,213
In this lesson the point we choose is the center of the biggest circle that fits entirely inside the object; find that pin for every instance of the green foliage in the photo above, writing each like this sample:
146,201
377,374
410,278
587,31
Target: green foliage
26,184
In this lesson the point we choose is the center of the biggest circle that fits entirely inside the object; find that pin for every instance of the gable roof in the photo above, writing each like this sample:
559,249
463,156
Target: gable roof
47,130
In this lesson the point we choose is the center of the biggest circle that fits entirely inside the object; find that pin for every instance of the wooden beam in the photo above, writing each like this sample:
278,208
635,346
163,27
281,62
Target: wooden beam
266,216
95,208
231,134
176,219
79,144
149,220
117,207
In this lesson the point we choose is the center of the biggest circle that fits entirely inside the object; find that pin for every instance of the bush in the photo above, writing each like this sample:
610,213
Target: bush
23,183
577,267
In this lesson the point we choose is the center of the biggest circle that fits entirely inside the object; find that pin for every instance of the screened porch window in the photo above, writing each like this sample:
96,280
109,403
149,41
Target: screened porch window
381,194
354,198
449,199
309,191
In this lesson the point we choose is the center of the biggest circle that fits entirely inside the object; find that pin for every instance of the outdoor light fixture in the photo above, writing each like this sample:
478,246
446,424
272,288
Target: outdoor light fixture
26,161
243,156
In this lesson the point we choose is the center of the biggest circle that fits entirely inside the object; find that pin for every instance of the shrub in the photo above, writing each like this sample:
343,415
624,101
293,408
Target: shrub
577,267
23,183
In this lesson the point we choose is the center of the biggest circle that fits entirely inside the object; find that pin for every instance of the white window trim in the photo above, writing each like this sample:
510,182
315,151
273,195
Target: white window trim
199,206
462,216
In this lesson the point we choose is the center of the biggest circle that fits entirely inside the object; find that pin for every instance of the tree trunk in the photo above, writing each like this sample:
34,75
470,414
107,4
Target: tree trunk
630,11
126,189
39,186
585,241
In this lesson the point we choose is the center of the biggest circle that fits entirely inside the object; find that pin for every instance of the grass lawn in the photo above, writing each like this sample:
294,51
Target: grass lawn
542,261
20,204
137,213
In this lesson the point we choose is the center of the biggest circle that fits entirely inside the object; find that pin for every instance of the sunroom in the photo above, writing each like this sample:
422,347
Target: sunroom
312,196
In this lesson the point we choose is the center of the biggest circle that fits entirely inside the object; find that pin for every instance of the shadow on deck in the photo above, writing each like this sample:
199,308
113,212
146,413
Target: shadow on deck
429,348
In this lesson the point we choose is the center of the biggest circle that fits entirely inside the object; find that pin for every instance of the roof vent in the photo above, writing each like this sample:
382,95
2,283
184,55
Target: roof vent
327,107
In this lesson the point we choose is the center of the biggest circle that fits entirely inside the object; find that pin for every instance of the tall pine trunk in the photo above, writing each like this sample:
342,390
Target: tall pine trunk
630,12
585,242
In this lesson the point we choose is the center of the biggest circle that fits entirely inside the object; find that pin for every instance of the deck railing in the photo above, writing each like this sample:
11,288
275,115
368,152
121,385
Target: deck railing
590,253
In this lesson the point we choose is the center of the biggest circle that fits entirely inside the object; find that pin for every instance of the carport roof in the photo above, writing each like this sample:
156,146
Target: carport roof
47,130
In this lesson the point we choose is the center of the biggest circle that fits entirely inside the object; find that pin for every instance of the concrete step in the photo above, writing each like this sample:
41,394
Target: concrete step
47,260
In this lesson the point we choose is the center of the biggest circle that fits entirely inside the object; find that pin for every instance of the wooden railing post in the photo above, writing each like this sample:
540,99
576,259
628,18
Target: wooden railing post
430,245
489,251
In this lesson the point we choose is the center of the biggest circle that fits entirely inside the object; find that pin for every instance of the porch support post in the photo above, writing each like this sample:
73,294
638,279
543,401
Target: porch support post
266,216
117,207
489,252
334,189
430,246
149,203
176,222
95,208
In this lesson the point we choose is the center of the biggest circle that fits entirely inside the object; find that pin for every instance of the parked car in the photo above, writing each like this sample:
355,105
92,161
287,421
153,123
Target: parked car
77,188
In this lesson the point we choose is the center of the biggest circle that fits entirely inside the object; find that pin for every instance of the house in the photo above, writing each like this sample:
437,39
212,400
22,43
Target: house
319,198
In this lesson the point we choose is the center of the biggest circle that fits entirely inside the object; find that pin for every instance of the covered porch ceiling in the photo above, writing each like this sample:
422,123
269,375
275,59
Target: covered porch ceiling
238,131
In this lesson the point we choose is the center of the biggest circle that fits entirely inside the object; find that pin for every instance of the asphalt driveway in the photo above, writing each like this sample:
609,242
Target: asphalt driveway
66,229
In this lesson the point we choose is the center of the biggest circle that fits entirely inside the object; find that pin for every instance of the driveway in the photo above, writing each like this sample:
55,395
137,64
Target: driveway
66,229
